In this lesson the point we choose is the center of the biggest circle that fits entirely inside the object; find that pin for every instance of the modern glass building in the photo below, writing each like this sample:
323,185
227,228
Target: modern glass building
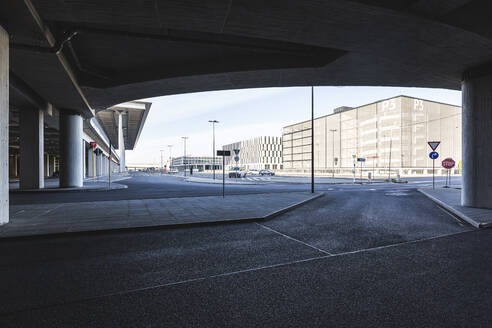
388,133
258,153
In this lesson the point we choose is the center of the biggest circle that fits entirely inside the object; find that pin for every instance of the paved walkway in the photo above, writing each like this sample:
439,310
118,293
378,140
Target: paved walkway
450,199
42,219
52,185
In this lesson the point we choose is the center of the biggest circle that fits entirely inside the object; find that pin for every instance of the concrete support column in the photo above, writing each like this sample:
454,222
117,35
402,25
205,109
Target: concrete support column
91,162
31,127
85,155
105,166
99,171
477,145
71,155
4,126
121,142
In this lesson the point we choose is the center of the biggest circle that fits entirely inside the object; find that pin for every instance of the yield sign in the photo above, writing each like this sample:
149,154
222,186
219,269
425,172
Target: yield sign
433,144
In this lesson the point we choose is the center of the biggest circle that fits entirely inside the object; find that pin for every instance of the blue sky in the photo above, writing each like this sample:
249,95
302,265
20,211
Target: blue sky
247,113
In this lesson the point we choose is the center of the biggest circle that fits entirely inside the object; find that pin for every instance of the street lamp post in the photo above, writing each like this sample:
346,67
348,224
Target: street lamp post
213,145
312,139
333,152
162,167
170,157
184,156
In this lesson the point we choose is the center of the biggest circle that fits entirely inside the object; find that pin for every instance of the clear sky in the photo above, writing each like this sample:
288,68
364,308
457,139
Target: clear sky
248,113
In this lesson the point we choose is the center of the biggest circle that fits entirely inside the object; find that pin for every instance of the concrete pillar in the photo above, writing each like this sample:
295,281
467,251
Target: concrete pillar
31,127
477,141
71,156
91,162
4,126
105,166
99,171
121,142
85,155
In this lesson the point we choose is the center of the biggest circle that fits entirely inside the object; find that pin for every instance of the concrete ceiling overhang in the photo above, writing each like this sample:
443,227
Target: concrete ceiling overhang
125,50
134,115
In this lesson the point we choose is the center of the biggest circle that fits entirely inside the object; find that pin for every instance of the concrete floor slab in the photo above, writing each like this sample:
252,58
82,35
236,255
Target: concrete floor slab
55,218
450,199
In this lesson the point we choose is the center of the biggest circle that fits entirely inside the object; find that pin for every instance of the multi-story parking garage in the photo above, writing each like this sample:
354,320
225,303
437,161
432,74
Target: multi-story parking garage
264,152
389,134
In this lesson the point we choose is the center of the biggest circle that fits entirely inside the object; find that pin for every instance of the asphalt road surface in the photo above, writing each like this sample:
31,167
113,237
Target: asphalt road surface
147,186
361,256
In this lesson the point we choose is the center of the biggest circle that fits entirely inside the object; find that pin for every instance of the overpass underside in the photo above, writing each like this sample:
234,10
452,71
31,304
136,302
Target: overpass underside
82,57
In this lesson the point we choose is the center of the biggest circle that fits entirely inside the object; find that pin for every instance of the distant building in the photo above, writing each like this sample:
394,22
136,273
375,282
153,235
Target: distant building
199,163
392,132
257,153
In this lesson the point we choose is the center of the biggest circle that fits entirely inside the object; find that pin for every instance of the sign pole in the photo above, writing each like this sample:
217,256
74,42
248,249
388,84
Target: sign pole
433,185
433,155
361,173
223,176
312,139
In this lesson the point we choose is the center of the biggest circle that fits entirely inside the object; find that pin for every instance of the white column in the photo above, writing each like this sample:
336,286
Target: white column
99,171
105,165
71,165
84,156
477,141
4,126
121,142
91,162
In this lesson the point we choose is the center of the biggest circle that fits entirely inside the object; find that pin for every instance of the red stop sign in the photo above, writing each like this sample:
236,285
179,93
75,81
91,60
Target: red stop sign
448,163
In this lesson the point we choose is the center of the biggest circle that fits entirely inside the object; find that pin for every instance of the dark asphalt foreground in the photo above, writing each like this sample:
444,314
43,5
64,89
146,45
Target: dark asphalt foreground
374,258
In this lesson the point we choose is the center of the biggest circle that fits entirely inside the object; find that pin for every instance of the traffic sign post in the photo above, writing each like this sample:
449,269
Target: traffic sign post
223,153
433,155
361,160
448,163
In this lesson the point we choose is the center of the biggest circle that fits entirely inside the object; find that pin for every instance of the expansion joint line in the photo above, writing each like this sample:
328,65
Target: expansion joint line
294,239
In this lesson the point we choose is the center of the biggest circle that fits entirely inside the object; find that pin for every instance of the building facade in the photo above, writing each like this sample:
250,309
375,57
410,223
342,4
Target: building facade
258,153
391,133
199,163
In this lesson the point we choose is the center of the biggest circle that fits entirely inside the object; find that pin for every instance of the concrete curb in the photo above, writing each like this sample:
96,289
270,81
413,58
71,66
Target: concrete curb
457,212
114,186
165,226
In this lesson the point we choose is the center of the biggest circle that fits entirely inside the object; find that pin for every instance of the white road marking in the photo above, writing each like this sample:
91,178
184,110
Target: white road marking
48,211
292,238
